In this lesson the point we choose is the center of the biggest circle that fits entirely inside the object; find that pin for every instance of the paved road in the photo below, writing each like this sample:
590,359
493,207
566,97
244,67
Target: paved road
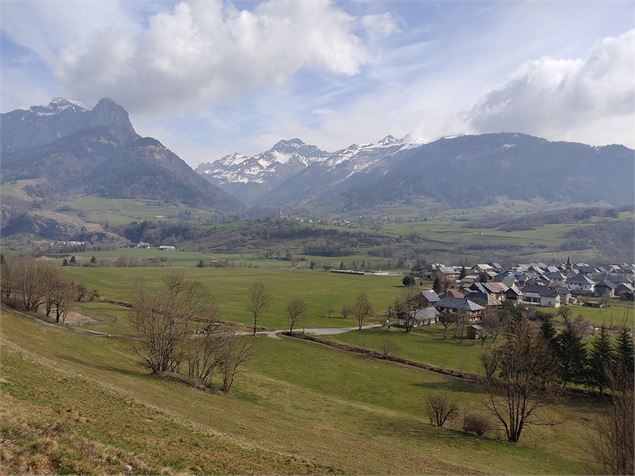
318,331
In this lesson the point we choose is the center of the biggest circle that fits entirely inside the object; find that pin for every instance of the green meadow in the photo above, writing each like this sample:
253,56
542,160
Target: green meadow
424,344
298,408
324,293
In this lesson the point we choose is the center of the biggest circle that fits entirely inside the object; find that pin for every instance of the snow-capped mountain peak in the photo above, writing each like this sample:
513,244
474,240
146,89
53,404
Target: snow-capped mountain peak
57,106
261,172
389,140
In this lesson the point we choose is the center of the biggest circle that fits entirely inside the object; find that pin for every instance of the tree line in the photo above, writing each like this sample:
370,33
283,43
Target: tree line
39,286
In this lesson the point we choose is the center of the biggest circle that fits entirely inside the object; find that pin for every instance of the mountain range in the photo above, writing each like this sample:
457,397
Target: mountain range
67,149
468,171
251,178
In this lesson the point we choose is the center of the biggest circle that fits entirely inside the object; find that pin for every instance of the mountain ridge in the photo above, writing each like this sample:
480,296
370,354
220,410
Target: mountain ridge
79,151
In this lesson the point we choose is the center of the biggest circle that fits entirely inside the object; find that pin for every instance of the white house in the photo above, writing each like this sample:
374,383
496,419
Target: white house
581,284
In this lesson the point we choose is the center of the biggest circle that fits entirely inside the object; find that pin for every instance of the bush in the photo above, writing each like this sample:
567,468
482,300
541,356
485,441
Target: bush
477,423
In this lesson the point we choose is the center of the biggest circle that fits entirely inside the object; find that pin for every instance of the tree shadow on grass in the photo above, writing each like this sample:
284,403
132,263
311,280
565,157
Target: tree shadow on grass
448,385
109,368
421,430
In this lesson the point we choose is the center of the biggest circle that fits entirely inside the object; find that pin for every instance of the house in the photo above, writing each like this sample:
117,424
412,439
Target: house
427,316
428,298
481,268
605,288
496,267
624,289
506,277
581,284
495,290
445,273
556,278
167,248
454,293
565,294
474,331
514,294
454,305
539,295
143,244
482,299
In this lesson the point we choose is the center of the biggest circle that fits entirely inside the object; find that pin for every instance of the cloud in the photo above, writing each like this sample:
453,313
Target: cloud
591,101
380,25
204,53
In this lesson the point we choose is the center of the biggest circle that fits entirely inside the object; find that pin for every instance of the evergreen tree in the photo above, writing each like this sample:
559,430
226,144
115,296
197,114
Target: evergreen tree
341,265
408,281
601,359
437,286
65,262
624,350
200,264
73,261
548,332
483,277
463,273
93,260
572,355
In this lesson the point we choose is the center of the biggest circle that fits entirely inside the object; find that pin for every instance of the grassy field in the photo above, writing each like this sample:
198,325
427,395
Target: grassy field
298,408
322,291
618,314
424,345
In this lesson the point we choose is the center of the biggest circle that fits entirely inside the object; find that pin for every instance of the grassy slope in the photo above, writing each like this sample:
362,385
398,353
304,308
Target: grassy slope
228,289
118,211
320,405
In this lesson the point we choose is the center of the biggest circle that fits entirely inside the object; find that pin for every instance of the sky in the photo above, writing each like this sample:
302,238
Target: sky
208,78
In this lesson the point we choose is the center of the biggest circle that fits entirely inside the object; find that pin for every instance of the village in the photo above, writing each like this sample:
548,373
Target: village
476,291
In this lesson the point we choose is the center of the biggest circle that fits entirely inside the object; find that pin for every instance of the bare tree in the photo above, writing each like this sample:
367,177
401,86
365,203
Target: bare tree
163,319
460,320
204,354
445,319
361,309
55,290
389,347
258,301
31,284
296,308
406,307
9,277
493,322
63,299
441,408
236,352
519,380
612,438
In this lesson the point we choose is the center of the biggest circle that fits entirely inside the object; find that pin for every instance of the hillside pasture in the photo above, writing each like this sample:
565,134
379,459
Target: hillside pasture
299,407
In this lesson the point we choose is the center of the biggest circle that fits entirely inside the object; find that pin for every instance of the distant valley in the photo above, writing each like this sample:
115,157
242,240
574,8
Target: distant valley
70,171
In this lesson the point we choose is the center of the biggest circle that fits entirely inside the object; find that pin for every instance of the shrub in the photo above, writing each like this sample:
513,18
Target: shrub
477,423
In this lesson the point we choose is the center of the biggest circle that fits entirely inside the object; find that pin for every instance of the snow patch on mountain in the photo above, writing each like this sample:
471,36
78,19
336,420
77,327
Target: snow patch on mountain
284,159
